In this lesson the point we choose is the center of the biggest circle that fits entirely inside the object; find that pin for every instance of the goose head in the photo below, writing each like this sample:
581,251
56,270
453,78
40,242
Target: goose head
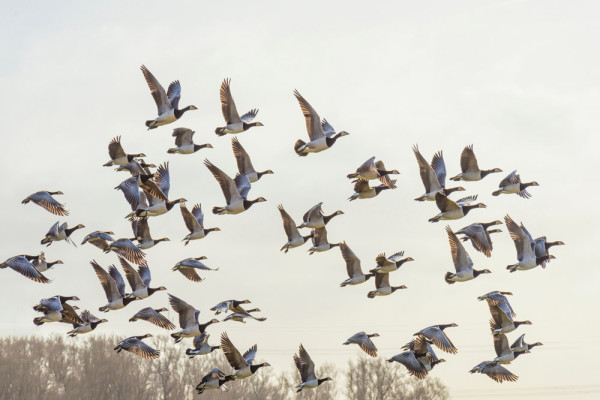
200,258
373,335
161,309
394,288
57,192
147,335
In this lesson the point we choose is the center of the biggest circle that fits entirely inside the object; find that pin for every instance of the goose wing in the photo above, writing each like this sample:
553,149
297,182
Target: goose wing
327,128
174,93
313,121
540,247
519,343
500,317
479,238
115,150
439,338
250,354
444,203
118,278
241,157
127,249
367,166
382,280
24,267
183,136
361,186
439,166
234,357
227,184
141,349
460,257
154,317
510,179
428,175
521,239
144,273
320,236
243,185
249,116
157,91
188,315
411,363
133,277
190,274
190,221
131,191
49,203
228,105
200,340
108,284
352,261
365,343
288,224
501,344
498,373
468,161
307,366
70,316
163,179
314,213
51,304
396,256
143,230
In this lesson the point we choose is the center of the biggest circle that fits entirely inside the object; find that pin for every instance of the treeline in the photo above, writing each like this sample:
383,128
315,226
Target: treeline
56,368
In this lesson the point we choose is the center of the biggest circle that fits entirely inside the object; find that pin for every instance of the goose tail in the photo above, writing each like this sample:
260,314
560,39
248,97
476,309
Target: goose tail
298,147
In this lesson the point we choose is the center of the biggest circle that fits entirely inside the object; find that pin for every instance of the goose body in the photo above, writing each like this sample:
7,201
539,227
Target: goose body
243,365
189,266
118,155
60,232
141,231
244,163
512,184
479,236
454,210
295,239
215,379
314,218
228,305
184,143
56,309
100,239
363,340
495,371
154,316
306,368
40,263
194,221
391,263
235,123
416,364
371,170
436,335
525,247
503,352
362,189
139,279
382,286
86,324
470,168
45,200
126,249
520,345
321,134
188,319
114,287
167,103
136,346
320,243
355,274
541,249
433,176
201,346
462,262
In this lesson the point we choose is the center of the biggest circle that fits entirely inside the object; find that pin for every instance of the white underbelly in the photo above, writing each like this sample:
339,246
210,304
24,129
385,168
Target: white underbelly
452,214
512,188
463,276
234,128
165,118
317,145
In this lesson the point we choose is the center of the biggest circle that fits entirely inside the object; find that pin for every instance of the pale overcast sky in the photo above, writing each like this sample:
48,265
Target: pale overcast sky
518,79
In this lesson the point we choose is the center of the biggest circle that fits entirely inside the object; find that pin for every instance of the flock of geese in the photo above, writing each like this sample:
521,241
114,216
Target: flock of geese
147,194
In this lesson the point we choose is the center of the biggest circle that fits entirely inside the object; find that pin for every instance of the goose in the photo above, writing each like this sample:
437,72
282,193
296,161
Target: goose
126,249
142,234
505,355
454,210
21,265
235,123
56,309
139,280
201,346
520,345
433,176
228,305
321,134
60,232
166,102
118,155
244,164
525,247
243,365
40,263
100,239
391,263
438,337
371,170
355,274
480,236
502,322
462,262
88,323
189,266
136,167
184,143
320,243
135,345
154,316
314,218
495,371
382,286
423,352
235,191
131,188
45,200
295,239
188,319
362,189
542,246
306,368
363,340
242,317
114,287
512,184
469,167
418,367
497,297
215,379
194,221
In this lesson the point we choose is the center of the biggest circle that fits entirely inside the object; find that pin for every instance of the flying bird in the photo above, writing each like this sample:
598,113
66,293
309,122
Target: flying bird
306,368
135,345
45,200
470,168
235,123
433,176
184,143
512,184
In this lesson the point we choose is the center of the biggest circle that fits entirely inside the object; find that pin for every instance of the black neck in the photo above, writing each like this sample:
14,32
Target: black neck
466,209
51,264
450,190
199,146
203,327
476,273
68,231
485,172
259,174
517,323
249,203
94,324
151,291
127,300
321,381
330,140
254,368
539,260
206,230
178,113
247,126
550,244
442,327
328,217
379,188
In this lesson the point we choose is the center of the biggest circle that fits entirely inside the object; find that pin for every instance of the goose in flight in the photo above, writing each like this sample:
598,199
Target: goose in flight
355,274
242,317
391,263
479,236
462,262
436,335
100,239
87,323
228,305
117,154
371,169
40,263
56,309
189,266
525,246
433,176
321,134
21,265
505,354
201,346
454,210
306,368
320,243
141,231
194,221
235,123
184,143
363,340
419,358
362,189
520,345
135,345
243,365
166,102
542,246
139,280
60,232
45,200
512,184
294,237
382,286
469,167
215,379
114,287
235,191
126,249
154,316
494,371
314,218
244,164
188,319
